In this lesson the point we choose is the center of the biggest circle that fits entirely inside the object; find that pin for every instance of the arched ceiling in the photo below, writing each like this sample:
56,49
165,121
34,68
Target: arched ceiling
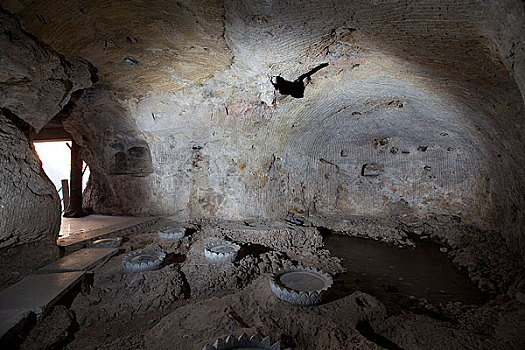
144,46
138,46
190,82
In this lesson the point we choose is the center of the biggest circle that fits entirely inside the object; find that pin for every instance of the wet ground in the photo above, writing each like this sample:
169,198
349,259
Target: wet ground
394,274
395,298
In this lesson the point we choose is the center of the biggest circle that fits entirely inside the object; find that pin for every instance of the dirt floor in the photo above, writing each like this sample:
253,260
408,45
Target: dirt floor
386,294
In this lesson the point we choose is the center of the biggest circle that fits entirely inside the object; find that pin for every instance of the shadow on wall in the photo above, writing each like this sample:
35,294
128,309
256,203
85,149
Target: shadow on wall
119,157
295,88
128,156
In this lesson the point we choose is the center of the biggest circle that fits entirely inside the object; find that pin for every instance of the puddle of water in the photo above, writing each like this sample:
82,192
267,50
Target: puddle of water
388,272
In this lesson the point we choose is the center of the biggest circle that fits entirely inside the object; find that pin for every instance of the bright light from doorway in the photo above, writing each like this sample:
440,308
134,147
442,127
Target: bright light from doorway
56,161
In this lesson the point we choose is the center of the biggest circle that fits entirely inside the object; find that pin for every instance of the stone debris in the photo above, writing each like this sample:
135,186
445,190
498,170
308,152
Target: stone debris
54,332
184,296
117,295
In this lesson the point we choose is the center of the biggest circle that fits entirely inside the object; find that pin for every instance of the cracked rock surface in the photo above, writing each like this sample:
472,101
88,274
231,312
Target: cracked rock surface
35,84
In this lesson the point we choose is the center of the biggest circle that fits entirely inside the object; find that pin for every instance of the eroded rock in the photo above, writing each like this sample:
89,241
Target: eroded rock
35,84
35,81
29,205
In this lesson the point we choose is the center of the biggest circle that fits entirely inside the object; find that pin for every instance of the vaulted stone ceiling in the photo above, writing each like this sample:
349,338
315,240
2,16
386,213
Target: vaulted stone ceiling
168,44
419,112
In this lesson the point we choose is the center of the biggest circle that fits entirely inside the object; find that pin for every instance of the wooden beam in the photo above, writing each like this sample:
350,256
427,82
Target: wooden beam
53,134
75,195
65,194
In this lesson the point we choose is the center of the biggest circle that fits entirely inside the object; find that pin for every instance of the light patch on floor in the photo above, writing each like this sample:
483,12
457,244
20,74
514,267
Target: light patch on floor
74,230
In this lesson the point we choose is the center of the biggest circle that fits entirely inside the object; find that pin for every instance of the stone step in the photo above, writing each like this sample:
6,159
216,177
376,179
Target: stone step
33,296
38,292
78,231
12,322
81,260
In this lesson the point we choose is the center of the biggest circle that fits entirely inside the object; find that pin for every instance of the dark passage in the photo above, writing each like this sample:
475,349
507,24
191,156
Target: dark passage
295,88
394,274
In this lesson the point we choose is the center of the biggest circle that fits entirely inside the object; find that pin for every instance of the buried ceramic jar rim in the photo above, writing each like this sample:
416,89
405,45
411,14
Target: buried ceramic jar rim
171,232
300,285
222,251
143,260
243,342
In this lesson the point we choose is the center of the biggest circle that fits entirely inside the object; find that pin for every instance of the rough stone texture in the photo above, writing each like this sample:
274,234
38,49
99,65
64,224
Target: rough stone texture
117,153
178,44
29,207
265,247
139,298
53,332
190,302
35,83
208,279
417,118
492,266
429,93
387,230
487,327
138,292
276,234
506,30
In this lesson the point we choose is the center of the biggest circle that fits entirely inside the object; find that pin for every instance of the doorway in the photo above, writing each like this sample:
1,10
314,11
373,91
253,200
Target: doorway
56,162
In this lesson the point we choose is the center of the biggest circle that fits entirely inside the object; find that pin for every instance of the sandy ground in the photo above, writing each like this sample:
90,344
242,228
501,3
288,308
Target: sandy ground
189,303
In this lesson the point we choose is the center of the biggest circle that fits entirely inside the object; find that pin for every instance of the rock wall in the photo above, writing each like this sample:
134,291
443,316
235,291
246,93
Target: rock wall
506,28
118,155
419,112
29,206
35,83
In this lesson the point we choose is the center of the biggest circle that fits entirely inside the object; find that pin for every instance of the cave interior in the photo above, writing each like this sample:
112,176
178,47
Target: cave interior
379,143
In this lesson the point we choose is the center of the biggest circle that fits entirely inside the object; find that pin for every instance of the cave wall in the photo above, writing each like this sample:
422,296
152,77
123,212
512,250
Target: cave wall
118,155
505,27
35,83
419,113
